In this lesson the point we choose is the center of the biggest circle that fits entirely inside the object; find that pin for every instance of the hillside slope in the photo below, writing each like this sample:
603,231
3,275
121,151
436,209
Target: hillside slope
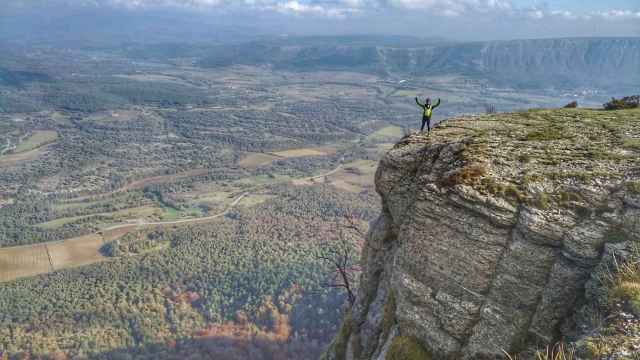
562,63
490,229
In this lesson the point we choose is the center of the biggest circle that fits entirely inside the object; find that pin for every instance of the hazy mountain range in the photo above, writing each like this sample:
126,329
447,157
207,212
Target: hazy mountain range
610,64
561,63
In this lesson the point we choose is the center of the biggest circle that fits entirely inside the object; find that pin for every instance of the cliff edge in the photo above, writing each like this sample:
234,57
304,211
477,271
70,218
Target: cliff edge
491,230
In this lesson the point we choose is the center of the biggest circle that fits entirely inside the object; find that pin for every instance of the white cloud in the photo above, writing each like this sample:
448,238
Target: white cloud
618,14
535,14
454,7
295,7
500,9
613,15
448,7
164,3
566,14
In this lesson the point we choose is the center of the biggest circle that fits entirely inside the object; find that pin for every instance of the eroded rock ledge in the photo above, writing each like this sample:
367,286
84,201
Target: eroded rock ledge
490,229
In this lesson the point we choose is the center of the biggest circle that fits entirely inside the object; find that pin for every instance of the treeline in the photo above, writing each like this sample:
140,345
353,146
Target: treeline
99,93
135,243
627,102
200,281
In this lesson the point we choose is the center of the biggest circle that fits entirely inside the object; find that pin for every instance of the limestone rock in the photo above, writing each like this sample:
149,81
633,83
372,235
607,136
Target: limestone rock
492,227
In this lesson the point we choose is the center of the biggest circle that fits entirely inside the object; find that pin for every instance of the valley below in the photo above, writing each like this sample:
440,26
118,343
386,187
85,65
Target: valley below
162,208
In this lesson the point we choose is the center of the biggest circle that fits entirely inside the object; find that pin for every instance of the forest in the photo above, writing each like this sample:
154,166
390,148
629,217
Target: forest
223,272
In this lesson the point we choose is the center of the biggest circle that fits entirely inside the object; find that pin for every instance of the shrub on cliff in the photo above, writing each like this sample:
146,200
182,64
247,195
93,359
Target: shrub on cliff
407,348
617,336
626,287
627,102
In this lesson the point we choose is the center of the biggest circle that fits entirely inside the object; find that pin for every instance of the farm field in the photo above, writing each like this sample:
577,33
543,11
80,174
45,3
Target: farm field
293,153
355,176
23,261
13,159
139,213
75,252
255,160
386,133
36,140
31,260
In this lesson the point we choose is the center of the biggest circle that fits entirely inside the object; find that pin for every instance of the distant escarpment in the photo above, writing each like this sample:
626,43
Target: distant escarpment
561,63
494,236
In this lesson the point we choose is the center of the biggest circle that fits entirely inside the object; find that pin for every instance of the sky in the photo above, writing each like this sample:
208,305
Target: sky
453,19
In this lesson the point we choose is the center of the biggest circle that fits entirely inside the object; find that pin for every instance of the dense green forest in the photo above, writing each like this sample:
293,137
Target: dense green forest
205,275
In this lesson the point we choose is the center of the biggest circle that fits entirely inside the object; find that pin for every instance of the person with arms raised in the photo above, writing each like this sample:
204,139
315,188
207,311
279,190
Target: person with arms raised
427,111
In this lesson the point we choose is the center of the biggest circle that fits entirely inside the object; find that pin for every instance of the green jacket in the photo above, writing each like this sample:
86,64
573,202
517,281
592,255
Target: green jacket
427,111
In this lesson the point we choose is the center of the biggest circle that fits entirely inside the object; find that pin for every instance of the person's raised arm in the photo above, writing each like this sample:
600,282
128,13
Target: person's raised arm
418,102
437,104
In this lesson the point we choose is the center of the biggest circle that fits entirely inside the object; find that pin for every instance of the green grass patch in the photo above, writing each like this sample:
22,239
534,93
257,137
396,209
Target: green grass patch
255,199
389,315
569,196
169,213
262,180
57,223
633,187
37,139
547,134
631,143
626,286
194,212
407,348
117,201
542,201
104,217
623,295
583,176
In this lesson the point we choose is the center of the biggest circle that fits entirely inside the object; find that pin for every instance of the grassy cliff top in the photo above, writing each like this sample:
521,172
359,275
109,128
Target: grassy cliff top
545,157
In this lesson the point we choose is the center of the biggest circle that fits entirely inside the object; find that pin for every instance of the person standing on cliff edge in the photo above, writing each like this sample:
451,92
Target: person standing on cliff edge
427,111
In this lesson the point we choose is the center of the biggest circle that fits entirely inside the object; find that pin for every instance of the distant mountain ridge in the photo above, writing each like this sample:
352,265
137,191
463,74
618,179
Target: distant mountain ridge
571,62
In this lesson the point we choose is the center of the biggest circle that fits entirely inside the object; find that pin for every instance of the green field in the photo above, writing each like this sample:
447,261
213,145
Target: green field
54,224
110,217
37,139
169,213
255,199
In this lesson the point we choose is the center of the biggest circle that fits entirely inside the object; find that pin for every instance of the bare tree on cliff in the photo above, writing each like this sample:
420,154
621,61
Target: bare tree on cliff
341,251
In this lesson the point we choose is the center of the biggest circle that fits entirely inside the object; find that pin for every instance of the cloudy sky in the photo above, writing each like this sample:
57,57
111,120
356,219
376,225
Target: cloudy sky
455,19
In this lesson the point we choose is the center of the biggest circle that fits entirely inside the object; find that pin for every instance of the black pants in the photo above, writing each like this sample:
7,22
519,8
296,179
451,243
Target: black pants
426,120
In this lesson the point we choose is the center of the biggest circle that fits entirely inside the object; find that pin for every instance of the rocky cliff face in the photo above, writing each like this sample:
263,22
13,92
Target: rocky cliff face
490,229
